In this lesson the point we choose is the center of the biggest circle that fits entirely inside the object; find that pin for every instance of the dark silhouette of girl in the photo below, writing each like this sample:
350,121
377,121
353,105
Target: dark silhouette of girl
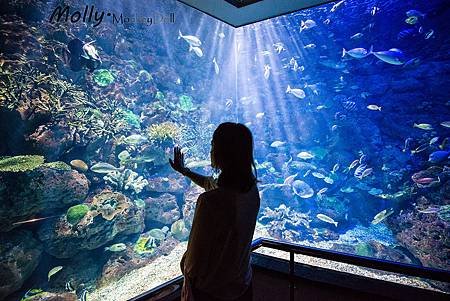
216,265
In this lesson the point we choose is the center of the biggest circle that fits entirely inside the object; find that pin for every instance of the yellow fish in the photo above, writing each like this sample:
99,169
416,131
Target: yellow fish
423,126
412,20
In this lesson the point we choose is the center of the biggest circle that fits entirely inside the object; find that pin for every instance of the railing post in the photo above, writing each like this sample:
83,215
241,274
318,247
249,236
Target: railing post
291,276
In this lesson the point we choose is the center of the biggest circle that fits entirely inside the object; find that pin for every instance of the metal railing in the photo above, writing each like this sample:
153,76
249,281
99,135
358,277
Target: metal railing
368,262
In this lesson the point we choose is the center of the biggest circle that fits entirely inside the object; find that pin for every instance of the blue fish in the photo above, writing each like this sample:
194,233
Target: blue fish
439,156
407,34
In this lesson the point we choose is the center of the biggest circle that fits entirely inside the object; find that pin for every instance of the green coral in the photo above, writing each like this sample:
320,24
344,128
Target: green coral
160,96
144,245
185,103
58,165
363,249
103,77
444,213
129,117
163,134
21,163
76,213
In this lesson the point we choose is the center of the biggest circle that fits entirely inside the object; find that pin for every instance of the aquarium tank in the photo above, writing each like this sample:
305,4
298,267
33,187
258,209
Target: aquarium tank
348,103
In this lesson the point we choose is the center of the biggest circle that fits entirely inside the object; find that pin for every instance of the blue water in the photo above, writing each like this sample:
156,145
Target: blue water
351,150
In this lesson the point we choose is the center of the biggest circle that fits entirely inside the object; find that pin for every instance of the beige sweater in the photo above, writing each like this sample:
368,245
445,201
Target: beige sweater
217,260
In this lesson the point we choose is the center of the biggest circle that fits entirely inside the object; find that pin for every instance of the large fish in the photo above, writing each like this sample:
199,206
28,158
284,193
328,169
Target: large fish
392,56
191,40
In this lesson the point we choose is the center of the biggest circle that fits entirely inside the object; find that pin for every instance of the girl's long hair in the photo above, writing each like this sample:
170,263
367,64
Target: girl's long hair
232,149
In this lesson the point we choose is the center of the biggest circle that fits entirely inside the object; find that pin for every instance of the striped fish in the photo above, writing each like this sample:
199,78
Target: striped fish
349,105
359,170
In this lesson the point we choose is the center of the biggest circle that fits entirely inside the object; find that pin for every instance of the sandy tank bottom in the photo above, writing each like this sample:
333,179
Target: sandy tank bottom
167,267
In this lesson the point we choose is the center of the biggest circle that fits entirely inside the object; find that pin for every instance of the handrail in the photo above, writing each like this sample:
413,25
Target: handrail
368,262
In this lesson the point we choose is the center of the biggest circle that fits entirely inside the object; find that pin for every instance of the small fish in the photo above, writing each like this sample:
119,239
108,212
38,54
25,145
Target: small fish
228,103
359,170
433,140
327,219
353,164
307,173
392,56
267,71
290,179
124,156
347,190
277,143
356,36
335,168
191,40
318,175
308,24
444,143
375,191
328,180
337,6
446,124
305,155
357,53
423,126
197,50
198,164
310,46
374,107
415,13
29,221
327,21
103,167
412,20
414,62
299,93
429,210
83,295
334,127
321,107
420,148
279,47
135,139
259,115
79,165
119,247
366,172
54,271
216,66
382,215
374,10
439,156
429,34
349,105
221,35
69,286
322,191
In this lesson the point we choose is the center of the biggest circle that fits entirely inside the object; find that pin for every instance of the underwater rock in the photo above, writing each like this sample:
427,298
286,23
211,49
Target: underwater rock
42,190
424,235
49,296
165,184
20,253
111,214
163,209
190,201
51,140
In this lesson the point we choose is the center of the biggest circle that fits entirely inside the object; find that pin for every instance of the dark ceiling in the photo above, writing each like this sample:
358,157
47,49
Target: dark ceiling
242,12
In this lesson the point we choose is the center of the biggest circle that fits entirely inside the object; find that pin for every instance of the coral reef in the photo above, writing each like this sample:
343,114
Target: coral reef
51,140
20,253
162,209
163,134
42,190
165,184
126,180
112,214
20,163
185,103
76,213
285,223
103,77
